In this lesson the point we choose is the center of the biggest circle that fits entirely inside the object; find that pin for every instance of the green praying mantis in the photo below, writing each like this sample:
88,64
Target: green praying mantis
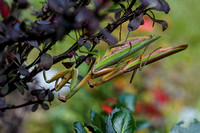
106,67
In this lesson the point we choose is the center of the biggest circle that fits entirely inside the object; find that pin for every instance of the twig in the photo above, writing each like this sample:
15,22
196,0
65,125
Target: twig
19,106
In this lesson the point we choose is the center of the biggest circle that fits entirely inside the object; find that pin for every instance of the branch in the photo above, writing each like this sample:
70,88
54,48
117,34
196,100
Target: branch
110,28
26,38
19,106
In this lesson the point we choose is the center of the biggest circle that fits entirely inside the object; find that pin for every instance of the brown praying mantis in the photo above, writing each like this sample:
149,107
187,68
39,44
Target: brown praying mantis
105,67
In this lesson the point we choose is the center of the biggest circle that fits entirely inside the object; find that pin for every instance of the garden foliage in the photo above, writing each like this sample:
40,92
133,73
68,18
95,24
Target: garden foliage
56,20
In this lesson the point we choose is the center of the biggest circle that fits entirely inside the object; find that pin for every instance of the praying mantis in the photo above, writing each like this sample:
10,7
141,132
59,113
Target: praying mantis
106,66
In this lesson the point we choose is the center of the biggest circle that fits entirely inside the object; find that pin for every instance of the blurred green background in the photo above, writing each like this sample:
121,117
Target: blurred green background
177,77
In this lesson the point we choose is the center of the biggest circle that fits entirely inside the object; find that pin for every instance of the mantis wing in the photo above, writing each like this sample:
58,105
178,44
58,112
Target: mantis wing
155,56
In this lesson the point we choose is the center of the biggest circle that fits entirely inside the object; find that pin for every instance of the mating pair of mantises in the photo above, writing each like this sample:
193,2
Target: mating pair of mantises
106,67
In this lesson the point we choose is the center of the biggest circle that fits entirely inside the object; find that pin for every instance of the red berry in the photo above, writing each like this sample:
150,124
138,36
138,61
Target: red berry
4,9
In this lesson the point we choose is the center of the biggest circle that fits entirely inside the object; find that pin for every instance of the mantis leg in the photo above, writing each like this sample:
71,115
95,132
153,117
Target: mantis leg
110,75
73,76
141,66
65,73
63,82
103,80
57,76
102,72
74,89
105,72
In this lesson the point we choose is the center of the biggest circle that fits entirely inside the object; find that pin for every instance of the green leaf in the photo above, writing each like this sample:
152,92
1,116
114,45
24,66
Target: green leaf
123,121
127,101
93,128
98,120
193,127
109,127
2,78
142,125
20,89
11,75
5,89
45,106
78,127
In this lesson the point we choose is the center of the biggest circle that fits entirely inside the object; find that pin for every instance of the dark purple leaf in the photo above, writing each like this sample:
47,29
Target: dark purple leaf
53,4
2,78
88,60
96,40
60,5
135,23
41,22
68,64
84,2
93,25
24,72
117,15
80,58
17,27
14,34
80,77
80,41
23,26
96,3
34,107
45,106
93,59
2,102
42,95
50,96
83,16
161,22
115,10
122,6
96,51
100,4
159,5
72,53
34,44
22,4
108,38
46,61
86,18
116,1
17,56
36,92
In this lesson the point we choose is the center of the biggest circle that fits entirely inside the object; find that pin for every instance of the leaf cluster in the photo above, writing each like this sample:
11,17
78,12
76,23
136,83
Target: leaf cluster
53,22
120,120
